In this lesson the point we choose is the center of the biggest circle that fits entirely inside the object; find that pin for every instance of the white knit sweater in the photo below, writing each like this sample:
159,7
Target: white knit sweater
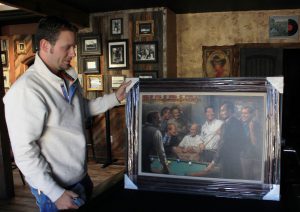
47,133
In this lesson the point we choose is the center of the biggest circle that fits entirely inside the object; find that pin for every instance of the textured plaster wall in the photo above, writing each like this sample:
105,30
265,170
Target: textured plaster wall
219,29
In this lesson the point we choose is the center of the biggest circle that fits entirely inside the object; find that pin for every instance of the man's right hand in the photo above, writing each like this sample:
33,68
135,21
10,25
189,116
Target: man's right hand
66,201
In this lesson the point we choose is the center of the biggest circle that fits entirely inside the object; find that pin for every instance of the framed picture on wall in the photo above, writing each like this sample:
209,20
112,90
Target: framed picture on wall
116,81
21,47
283,27
6,79
116,26
218,61
117,54
145,52
90,44
4,58
94,82
145,28
91,64
146,74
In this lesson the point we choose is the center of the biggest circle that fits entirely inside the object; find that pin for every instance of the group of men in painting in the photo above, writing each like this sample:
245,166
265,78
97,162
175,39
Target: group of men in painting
232,147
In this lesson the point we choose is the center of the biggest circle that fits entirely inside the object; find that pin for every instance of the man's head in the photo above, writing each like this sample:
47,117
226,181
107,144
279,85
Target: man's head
172,130
247,113
194,129
153,118
175,112
209,113
226,110
55,38
165,113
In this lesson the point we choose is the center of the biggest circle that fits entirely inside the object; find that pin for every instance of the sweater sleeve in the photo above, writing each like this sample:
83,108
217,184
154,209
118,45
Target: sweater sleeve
26,114
102,104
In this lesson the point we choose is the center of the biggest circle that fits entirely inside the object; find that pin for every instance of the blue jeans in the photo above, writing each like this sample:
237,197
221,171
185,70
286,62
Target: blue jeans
84,189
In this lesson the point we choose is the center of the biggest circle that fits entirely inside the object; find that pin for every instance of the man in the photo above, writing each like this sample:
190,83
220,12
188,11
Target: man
152,143
179,121
45,114
170,139
252,155
190,146
228,155
210,134
165,115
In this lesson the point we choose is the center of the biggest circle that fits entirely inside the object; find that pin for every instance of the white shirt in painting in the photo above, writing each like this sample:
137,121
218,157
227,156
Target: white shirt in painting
189,141
210,134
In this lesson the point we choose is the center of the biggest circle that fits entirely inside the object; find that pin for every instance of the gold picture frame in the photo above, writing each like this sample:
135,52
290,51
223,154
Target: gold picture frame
21,47
94,82
144,28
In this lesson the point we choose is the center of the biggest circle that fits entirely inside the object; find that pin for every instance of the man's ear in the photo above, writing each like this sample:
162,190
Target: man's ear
44,45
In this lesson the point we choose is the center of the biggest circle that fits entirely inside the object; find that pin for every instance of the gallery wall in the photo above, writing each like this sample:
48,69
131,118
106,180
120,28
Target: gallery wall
221,29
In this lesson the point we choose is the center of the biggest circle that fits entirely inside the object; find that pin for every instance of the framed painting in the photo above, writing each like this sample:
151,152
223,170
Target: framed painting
116,81
117,54
145,28
90,44
218,61
21,47
4,58
145,52
94,82
215,137
116,26
91,64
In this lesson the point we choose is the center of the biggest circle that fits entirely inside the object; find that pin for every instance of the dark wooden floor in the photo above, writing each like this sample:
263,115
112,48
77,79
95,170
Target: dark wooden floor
23,201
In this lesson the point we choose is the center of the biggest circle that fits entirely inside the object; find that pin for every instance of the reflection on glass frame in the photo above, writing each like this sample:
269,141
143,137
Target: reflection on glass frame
146,74
217,137
116,26
145,52
145,28
94,82
116,81
117,54
91,64
90,44
4,58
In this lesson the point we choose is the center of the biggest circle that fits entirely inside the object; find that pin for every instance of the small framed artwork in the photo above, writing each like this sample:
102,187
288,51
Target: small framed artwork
6,79
91,64
116,26
145,52
116,81
218,61
90,44
146,74
94,82
283,27
4,45
145,28
21,47
117,54
4,58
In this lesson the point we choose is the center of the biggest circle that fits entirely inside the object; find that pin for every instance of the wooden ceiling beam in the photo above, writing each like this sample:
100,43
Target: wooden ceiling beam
52,7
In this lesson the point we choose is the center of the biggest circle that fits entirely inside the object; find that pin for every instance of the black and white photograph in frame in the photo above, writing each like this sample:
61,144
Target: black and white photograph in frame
117,54
90,44
116,26
145,52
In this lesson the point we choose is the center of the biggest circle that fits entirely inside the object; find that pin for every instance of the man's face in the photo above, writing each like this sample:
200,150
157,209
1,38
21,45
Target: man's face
176,114
245,114
224,113
157,120
173,130
61,54
210,114
193,130
167,115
